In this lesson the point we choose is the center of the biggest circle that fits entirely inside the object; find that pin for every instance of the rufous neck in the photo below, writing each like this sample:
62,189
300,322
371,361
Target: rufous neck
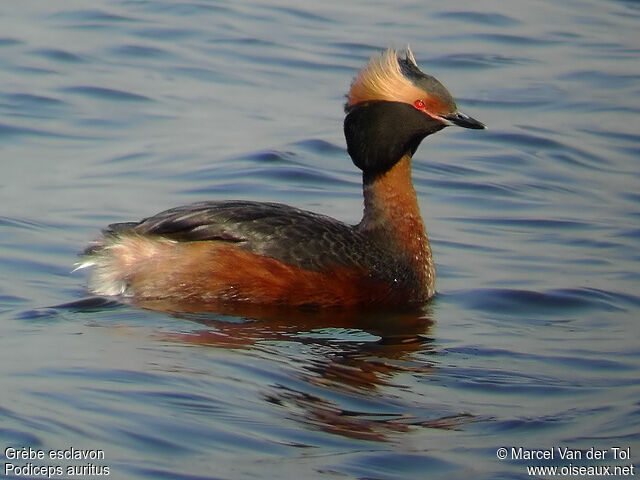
392,215
390,200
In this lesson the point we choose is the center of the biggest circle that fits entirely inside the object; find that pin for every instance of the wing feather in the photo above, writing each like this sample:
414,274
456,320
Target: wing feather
299,237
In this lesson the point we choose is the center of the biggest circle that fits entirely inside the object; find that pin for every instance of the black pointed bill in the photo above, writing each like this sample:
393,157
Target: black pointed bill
463,120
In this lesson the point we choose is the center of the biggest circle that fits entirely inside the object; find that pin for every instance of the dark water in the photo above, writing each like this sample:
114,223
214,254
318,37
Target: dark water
114,110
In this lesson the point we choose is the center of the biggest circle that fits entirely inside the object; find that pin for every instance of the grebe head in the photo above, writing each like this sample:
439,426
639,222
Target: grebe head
391,107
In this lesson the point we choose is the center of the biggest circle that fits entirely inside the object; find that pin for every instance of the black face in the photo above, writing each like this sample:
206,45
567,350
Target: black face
379,133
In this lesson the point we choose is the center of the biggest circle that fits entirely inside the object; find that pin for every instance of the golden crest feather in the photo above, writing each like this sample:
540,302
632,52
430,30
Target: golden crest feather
382,79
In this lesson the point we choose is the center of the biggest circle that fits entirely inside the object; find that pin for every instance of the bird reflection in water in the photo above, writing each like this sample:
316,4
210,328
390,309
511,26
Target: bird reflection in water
386,344
355,353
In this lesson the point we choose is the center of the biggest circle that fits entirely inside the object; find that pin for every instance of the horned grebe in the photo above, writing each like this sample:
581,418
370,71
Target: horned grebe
269,253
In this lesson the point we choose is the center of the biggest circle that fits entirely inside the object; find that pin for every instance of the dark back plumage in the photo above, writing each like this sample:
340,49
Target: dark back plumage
298,237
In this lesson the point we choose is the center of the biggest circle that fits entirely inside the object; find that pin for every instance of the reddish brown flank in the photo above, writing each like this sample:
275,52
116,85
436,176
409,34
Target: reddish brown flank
216,271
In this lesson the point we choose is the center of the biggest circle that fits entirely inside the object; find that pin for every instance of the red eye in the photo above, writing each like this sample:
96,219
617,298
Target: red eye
419,104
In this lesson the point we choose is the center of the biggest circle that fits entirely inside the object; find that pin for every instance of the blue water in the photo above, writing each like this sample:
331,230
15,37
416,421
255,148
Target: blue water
114,110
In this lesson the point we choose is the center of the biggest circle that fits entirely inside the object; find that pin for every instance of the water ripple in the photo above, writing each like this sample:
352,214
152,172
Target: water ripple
90,15
407,466
133,438
141,51
319,146
209,75
481,18
603,79
577,362
508,301
28,100
108,94
147,472
19,438
58,55
183,9
165,34
15,132
9,42
476,61
527,223
506,39
111,376
303,14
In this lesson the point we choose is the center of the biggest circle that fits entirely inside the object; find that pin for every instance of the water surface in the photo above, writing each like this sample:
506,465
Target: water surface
114,110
